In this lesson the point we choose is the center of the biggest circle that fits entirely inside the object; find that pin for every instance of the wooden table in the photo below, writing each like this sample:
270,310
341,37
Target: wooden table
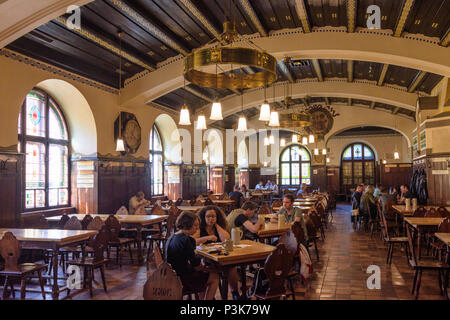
444,237
251,252
127,221
271,230
52,239
423,225
301,207
401,209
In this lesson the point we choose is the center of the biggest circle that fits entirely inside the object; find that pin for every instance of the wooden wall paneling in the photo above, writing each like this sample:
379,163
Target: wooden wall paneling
84,196
217,180
333,179
319,178
11,195
395,174
229,179
194,181
244,177
254,177
173,190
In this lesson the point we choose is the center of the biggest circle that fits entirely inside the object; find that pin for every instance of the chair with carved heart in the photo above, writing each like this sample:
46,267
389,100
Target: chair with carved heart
264,209
163,284
62,222
96,224
444,212
85,222
420,212
277,267
114,227
98,243
10,252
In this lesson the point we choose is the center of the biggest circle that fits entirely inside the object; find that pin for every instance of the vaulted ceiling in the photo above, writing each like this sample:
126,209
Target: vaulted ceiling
157,30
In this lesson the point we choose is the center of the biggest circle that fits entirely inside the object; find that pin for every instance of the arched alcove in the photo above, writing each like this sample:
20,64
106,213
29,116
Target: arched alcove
242,155
214,141
170,138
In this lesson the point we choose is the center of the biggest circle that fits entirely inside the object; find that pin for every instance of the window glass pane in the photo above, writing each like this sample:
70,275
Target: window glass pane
35,117
53,197
357,152
157,145
295,153
57,129
306,171
151,140
29,199
58,168
35,165
157,174
40,198
347,173
295,177
368,153
307,181
19,124
347,154
357,172
63,197
304,154
285,173
285,155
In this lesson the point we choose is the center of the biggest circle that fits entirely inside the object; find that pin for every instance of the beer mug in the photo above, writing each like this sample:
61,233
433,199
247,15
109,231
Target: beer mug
281,221
236,235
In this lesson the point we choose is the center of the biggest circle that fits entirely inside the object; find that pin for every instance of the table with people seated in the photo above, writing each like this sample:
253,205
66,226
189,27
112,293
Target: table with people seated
50,239
401,209
246,253
422,225
271,230
137,222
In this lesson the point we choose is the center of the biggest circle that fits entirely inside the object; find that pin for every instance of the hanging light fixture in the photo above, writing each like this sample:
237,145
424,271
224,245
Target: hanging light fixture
282,142
264,114
274,119
328,160
324,151
201,122
266,141
316,151
384,161
120,146
271,139
311,138
396,153
305,141
242,125
216,109
185,118
294,138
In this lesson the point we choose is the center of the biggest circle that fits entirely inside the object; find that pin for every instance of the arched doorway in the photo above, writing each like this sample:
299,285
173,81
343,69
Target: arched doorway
295,166
357,165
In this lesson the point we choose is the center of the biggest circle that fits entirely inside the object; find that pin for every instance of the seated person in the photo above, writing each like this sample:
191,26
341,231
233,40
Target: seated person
368,205
240,218
274,187
137,204
180,253
377,191
245,192
269,185
303,190
290,213
406,194
394,192
213,225
259,186
385,198
356,199
238,194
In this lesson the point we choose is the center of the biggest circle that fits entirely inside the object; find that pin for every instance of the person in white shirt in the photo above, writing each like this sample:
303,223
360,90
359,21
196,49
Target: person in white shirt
269,185
137,204
259,186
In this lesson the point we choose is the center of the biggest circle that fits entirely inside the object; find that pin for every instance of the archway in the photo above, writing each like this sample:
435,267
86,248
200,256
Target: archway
170,138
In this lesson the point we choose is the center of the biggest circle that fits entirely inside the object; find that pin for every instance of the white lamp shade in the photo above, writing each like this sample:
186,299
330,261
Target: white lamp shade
282,142
316,151
185,119
305,141
294,138
265,164
272,139
201,122
274,119
311,138
216,111
384,161
328,160
242,125
266,141
120,145
264,115
396,155
324,152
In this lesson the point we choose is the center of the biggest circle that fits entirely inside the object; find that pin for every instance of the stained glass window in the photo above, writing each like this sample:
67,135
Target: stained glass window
295,166
357,166
45,142
157,161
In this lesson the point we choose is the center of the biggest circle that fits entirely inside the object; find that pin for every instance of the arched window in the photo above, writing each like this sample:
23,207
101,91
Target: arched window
295,164
357,165
157,162
44,139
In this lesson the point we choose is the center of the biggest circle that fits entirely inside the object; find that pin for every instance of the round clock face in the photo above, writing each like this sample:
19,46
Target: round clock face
132,134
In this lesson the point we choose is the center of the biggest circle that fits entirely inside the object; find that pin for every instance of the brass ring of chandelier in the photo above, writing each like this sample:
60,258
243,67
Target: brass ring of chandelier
294,120
236,56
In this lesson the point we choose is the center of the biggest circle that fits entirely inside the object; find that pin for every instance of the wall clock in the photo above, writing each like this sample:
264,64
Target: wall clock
130,131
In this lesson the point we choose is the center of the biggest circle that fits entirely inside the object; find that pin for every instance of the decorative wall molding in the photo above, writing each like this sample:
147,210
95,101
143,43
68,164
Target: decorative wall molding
54,70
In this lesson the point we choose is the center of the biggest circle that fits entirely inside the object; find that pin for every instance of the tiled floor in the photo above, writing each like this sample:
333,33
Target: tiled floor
345,256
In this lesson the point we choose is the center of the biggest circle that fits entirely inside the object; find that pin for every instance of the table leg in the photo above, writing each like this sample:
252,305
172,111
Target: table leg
244,281
55,288
419,236
140,258
223,286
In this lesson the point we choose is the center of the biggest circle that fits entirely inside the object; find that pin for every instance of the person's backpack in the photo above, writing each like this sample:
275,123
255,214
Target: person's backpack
260,283
305,264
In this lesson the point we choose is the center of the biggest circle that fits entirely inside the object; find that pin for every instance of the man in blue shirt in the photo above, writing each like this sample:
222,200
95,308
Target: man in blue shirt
238,195
259,186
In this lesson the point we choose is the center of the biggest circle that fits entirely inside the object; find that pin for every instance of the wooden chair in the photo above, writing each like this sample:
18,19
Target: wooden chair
62,222
113,226
312,234
197,203
86,221
391,241
319,218
95,224
264,209
158,210
420,212
73,224
291,244
41,223
277,267
179,202
444,212
161,239
437,246
433,213
10,252
208,202
99,244
424,263
277,203
163,284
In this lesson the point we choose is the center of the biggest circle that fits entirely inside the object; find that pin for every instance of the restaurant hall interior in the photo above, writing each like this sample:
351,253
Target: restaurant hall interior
184,100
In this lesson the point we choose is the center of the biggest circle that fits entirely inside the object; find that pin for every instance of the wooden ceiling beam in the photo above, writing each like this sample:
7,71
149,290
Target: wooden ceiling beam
349,101
106,44
372,105
285,71
403,17
327,101
416,81
396,110
316,65
383,74
144,23
246,5
350,70
303,15
202,18
198,94
351,15
446,39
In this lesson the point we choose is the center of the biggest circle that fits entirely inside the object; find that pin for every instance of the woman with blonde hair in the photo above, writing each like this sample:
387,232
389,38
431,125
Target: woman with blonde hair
368,204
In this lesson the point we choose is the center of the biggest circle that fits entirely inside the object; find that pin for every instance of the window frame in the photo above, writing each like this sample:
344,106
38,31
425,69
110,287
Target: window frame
152,154
23,138
363,162
290,162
